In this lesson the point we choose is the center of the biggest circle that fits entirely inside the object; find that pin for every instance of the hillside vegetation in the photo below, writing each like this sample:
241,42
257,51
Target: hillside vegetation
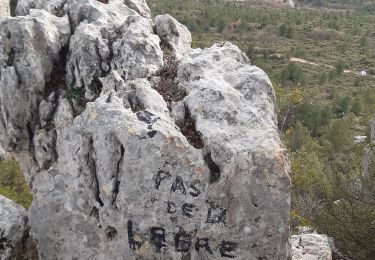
322,64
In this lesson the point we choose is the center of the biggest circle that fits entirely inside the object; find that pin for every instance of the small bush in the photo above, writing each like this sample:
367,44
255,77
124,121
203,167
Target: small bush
12,183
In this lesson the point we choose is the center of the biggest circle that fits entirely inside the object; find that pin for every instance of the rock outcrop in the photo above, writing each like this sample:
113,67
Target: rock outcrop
15,242
136,146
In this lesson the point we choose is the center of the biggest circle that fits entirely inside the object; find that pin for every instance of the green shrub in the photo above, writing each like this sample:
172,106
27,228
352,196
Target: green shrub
12,183
292,72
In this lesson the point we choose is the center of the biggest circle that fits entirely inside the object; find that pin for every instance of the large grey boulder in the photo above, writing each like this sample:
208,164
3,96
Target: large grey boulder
13,226
132,157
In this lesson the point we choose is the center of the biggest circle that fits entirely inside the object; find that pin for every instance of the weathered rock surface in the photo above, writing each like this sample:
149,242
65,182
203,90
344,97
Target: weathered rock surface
137,54
13,226
173,34
140,6
53,6
4,9
114,173
29,48
4,155
311,246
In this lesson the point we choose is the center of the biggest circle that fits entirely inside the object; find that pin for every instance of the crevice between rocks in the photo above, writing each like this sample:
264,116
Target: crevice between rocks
188,129
116,177
52,90
56,82
168,88
25,248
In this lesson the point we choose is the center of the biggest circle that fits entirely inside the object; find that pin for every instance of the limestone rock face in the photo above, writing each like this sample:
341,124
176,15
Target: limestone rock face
13,225
4,9
29,48
132,155
311,247
53,6
140,6
175,35
137,53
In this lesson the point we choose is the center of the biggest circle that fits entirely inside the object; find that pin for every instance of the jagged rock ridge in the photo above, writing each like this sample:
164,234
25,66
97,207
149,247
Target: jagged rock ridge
135,146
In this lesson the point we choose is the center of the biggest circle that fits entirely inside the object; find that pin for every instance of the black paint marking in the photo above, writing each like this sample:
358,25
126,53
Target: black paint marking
147,117
157,238
133,244
171,208
187,210
160,176
196,192
203,243
227,248
178,184
182,241
152,133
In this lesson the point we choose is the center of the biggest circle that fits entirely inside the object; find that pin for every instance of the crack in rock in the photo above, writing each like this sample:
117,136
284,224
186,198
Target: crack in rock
117,177
95,185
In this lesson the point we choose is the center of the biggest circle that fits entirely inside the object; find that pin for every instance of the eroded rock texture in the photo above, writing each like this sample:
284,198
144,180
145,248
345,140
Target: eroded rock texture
4,9
136,146
311,246
15,242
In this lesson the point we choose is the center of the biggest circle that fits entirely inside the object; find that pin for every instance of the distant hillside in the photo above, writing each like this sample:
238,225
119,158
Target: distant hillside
291,3
338,3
